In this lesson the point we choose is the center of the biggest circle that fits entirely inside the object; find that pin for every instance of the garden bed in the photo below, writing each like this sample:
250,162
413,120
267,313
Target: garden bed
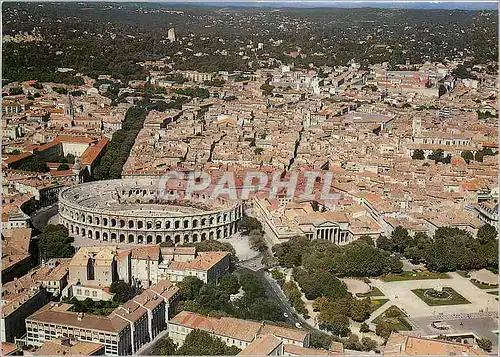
394,317
414,275
447,296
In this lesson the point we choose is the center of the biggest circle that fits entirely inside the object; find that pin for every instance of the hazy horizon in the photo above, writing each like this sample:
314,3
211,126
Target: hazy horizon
424,5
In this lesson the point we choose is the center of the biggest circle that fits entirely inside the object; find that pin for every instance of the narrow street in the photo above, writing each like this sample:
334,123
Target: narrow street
40,218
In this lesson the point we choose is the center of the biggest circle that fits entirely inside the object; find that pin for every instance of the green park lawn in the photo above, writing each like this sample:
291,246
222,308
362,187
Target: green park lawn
493,292
376,304
481,285
454,299
394,317
372,293
414,275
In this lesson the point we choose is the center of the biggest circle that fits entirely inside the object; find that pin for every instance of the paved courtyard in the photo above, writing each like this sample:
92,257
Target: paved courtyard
400,294
479,327
356,286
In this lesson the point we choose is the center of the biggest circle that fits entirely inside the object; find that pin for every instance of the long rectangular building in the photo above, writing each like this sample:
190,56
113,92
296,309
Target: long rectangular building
122,332
232,331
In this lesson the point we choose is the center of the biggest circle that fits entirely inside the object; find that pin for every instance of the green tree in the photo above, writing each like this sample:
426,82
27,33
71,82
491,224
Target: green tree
486,234
451,249
278,275
189,288
364,328
320,283
212,245
200,343
212,298
258,309
467,156
418,154
164,347
256,241
364,260
360,309
122,291
384,243
437,156
320,339
294,295
366,239
252,285
62,167
247,224
266,88
336,323
462,72
479,156
290,253
384,329
368,344
34,164
485,344
55,242
230,284
400,239
352,343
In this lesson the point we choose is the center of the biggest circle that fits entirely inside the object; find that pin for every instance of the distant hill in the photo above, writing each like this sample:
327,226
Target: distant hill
458,5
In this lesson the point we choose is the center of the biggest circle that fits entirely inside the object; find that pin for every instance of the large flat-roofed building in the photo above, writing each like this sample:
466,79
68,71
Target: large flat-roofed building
122,332
68,347
232,331
56,322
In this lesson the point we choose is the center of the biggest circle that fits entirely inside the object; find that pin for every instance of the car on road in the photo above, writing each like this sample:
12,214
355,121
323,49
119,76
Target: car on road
286,315
298,325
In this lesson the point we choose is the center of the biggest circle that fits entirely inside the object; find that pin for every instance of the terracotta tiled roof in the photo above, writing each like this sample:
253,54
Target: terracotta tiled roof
284,332
204,261
401,345
92,152
74,139
262,346
8,348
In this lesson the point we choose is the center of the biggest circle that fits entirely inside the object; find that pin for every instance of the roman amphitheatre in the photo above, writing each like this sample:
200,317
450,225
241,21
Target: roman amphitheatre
137,211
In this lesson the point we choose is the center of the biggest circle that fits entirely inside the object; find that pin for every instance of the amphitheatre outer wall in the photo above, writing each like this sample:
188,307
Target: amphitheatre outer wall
127,211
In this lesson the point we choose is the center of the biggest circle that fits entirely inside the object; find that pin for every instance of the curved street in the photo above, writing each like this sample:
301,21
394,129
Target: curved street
40,218
273,290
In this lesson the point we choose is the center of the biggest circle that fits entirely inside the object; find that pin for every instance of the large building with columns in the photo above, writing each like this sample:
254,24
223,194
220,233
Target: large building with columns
138,211
282,221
